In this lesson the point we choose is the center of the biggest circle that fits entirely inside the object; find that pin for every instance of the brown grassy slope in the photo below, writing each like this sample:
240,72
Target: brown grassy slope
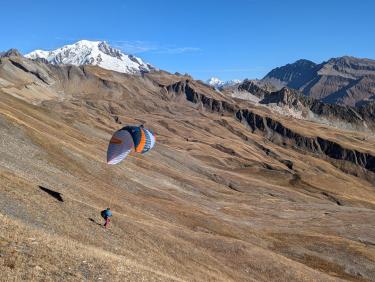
203,205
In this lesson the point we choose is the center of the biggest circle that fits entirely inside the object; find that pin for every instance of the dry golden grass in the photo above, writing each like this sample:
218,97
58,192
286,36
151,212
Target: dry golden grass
209,203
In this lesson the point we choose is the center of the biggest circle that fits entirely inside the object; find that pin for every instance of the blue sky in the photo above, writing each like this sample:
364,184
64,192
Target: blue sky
227,39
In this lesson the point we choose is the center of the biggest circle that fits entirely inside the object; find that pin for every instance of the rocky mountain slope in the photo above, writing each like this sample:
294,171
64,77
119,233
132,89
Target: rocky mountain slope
232,191
344,80
98,53
290,102
293,75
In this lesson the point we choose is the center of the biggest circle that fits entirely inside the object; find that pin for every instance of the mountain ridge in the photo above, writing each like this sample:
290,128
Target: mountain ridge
343,80
290,102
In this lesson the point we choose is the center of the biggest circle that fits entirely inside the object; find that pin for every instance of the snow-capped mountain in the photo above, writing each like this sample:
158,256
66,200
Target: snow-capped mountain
217,83
98,53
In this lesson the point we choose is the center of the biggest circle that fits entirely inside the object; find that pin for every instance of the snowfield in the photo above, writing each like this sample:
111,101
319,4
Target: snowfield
97,53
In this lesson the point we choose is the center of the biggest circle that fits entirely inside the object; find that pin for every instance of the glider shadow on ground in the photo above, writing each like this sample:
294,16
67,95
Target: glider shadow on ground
52,193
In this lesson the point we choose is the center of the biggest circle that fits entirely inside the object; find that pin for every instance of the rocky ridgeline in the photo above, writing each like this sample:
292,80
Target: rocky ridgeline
10,53
344,80
353,161
342,116
361,117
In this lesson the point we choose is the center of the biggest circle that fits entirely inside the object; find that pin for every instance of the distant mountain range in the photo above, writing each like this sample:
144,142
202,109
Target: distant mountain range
344,80
98,53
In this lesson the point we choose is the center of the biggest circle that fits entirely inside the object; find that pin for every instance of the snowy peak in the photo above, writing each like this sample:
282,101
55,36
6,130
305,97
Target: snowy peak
232,82
97,53
217,83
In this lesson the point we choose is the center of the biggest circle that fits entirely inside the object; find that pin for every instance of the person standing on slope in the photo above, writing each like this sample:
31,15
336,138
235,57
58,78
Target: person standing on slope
106,214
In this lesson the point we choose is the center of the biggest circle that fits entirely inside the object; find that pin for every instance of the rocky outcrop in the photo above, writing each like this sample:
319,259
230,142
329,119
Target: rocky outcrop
284,97
259,91
367,111
27,67
11,53
312,144
183,87
357,117
341,116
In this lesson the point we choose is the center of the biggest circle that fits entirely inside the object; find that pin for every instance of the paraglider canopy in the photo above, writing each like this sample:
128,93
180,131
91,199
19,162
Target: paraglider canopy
127,138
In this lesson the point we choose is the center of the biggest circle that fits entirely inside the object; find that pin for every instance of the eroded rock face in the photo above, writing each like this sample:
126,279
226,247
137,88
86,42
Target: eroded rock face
342,116
270,127
253,88
285,97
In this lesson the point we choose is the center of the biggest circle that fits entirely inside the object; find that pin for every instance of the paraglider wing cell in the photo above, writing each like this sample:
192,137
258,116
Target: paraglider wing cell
139,138
150,141
120,146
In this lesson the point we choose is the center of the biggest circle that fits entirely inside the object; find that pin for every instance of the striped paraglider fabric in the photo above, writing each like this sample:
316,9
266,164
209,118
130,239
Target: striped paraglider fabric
127,138
150,141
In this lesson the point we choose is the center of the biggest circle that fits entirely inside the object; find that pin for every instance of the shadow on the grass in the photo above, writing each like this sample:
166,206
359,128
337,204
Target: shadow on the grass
94,221
52,193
